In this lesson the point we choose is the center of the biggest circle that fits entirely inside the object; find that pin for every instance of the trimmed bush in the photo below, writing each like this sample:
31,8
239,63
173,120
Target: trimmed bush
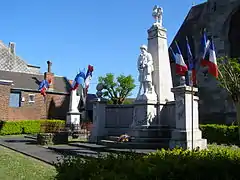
220,134
30,126
215,164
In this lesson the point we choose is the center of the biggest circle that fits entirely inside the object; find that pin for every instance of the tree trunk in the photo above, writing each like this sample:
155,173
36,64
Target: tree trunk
238,116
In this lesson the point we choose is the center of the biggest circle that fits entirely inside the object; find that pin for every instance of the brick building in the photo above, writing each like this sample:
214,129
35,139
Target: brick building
19,95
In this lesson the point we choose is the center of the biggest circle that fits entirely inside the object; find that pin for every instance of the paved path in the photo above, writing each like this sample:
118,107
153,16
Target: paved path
50,154
29,148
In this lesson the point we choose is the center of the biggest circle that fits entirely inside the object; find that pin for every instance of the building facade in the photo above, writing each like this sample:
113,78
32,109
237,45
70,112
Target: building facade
19,95
220,18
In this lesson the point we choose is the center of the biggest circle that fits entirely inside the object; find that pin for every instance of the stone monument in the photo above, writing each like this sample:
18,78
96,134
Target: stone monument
144,109
155,78
145,68
158,48
74,116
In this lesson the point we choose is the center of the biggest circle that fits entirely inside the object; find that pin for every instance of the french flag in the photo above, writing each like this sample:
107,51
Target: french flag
210,59
88,76
43,86
191,65
181,67
79,79
204,48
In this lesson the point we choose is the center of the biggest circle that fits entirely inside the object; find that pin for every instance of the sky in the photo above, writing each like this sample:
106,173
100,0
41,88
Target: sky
74,33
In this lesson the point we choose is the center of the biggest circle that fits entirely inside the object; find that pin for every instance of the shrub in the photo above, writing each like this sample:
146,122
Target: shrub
214,163
29,126
221,134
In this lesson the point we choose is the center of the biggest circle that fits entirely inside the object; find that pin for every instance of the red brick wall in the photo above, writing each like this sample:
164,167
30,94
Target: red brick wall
55,106
4,101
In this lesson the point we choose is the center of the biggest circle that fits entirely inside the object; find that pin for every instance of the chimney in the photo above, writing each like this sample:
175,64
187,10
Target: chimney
49,76
11,47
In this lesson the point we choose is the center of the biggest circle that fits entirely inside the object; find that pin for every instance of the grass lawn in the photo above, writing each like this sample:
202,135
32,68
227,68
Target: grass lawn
15,166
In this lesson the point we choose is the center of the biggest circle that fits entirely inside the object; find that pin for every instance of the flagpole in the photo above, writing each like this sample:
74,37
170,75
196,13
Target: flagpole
192,99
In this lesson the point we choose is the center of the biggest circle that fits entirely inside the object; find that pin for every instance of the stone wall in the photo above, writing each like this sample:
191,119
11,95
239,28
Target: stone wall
118,119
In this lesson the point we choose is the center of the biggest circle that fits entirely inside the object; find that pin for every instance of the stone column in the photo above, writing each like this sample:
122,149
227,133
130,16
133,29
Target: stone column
98,129
73,116
182,135
162,78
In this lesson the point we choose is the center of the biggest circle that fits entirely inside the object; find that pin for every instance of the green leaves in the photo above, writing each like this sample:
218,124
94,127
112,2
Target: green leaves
117,89
217,162
229,76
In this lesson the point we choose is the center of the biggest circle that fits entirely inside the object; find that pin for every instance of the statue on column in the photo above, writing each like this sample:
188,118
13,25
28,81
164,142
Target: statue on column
145,68
157,14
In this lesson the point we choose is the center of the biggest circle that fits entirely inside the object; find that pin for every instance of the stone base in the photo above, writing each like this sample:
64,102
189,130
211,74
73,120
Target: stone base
73,118
200,143
183,135
144,114
183,139
52,138
147,97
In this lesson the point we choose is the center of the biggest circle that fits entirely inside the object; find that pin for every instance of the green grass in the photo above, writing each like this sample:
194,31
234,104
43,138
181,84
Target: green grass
15,166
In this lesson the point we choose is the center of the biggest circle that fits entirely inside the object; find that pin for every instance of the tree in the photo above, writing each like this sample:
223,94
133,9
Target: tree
117,89
229,79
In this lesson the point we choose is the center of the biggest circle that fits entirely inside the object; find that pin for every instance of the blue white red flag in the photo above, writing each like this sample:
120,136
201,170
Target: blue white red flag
210,59
181,67
191,62
88,76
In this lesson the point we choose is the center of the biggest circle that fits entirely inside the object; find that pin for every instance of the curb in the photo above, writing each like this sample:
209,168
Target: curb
28,154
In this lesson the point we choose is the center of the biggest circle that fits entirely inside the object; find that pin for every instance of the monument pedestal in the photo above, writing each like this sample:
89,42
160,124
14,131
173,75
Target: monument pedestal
73,118
187,130
144,126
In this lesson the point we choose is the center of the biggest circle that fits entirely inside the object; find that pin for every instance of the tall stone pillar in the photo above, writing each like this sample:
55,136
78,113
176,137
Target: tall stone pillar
187,133
162,78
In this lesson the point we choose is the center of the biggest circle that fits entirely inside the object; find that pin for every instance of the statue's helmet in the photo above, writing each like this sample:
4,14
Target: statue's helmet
143,47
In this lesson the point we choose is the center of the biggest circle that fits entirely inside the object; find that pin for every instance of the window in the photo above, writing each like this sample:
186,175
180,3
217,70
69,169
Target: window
31,98
14,99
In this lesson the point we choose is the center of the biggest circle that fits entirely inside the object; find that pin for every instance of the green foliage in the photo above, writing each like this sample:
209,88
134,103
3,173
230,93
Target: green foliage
229,76
220,134
117,89
29,126
214,163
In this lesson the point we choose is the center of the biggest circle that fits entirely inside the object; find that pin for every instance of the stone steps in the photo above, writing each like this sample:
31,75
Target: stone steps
134,145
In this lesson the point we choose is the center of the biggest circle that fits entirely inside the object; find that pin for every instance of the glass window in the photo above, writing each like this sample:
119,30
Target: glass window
14,100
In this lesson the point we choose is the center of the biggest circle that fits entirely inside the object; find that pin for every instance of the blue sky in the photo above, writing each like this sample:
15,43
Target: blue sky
75,33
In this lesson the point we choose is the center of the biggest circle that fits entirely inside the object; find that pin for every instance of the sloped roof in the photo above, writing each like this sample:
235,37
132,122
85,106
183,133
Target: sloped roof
11,62
29,81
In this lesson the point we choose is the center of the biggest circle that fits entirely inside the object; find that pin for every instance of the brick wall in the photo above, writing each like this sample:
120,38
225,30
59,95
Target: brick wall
55,107
4,101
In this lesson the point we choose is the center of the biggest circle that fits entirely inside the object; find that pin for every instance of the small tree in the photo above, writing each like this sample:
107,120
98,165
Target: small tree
117,89
229,78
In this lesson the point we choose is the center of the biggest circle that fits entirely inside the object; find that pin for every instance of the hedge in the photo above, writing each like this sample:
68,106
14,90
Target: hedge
30,126
214,133
220,134
213,164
